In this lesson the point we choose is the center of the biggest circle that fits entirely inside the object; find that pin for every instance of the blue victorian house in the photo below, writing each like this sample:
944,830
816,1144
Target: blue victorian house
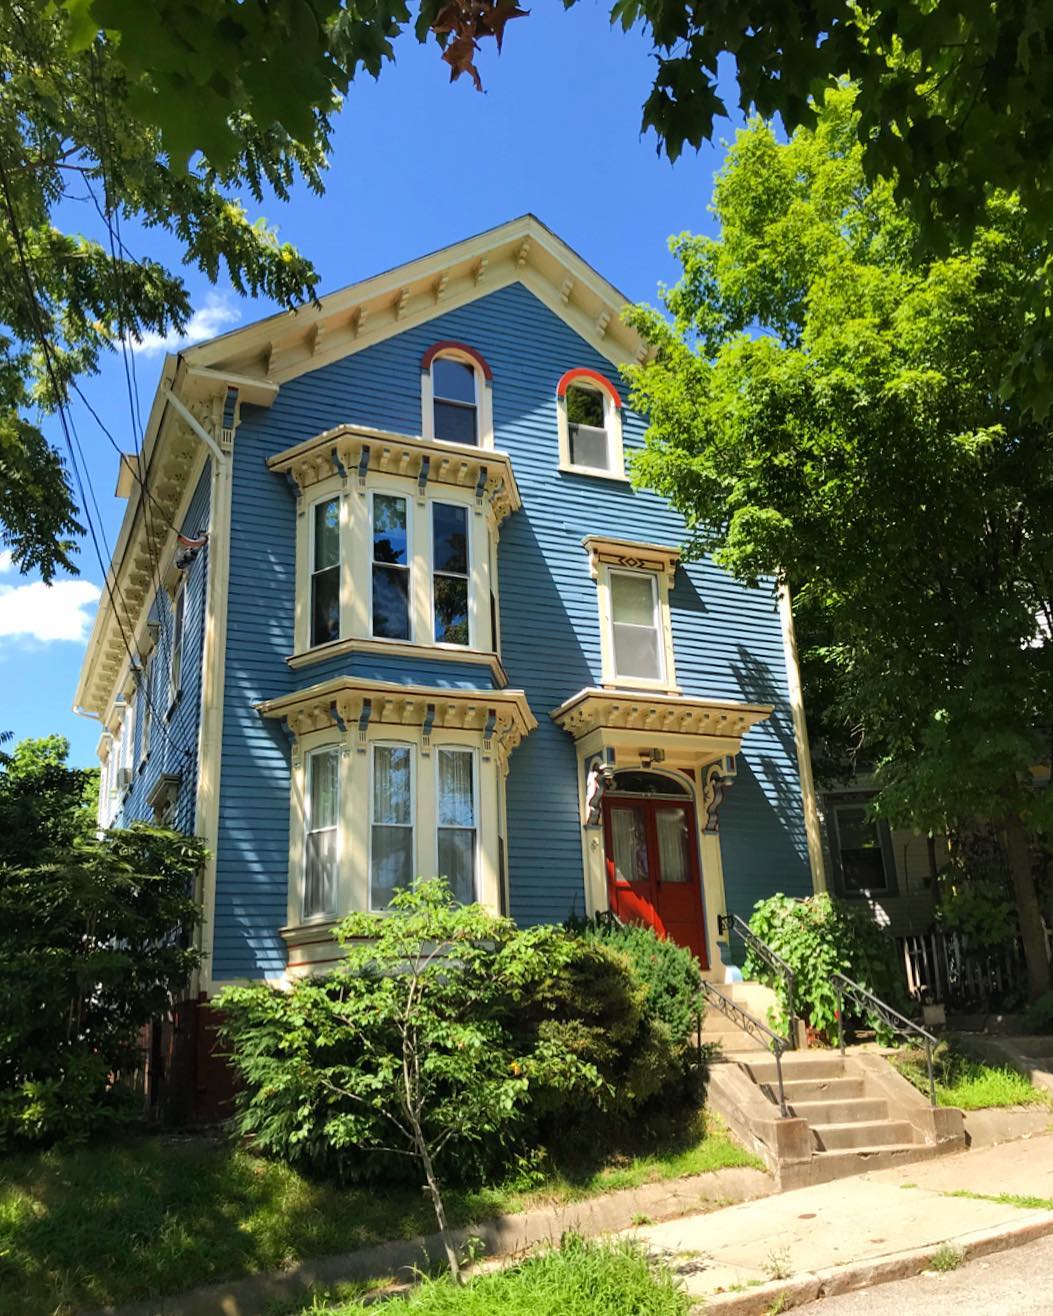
417,620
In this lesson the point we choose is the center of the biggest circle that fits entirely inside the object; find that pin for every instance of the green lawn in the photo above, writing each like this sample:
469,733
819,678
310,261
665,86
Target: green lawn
969,1084
579,1279
143,1216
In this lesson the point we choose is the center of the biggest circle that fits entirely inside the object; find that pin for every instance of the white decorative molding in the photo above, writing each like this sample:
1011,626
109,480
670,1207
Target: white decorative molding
659,717
603,550
565,289
602,321
427,462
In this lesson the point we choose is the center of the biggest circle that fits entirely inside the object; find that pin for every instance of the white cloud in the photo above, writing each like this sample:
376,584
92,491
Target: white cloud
217,314
6,561
62,611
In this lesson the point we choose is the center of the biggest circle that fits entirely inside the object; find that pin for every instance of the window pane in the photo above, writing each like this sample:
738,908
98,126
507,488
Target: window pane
456,805
673,842
629,842
392,765
636,652
862,863
632,781
451,610
327,533
450,536
319,889
457,862
392,864
588,447
453,379
391,603
454,422
389,529
324,771
585,406
856,830
325,606
632,598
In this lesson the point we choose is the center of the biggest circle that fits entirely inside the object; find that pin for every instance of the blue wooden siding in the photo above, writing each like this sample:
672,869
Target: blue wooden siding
727,638
174,730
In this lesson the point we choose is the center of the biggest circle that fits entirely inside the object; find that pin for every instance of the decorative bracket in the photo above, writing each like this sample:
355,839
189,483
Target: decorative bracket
426,728
363,724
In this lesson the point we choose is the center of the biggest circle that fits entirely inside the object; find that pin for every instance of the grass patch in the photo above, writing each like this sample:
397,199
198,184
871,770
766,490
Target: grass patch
578,1279
143,1216
969,1084
1024,1201
946,1258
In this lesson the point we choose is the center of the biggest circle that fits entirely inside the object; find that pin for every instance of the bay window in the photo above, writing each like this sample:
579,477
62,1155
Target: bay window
391,844
456,823
321,833
325,572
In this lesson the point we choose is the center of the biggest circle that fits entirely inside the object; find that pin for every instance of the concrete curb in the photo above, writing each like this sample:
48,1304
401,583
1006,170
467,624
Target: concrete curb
813,1285
505,1237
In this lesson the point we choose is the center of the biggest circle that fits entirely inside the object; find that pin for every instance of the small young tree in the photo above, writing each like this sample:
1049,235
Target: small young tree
409,1047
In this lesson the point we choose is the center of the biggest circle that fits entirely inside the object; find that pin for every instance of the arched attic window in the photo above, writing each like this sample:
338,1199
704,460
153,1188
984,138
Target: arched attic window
589,411
455,395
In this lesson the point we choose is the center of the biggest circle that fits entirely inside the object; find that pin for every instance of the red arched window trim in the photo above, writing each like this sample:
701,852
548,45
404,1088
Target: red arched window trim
594,376
447,345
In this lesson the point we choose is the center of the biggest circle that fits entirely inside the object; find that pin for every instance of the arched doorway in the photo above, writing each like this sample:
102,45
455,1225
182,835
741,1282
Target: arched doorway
651,852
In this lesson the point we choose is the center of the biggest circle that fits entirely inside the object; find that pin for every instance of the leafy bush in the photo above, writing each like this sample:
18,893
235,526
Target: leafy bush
1038,1017
818,937
519,1037
669,972
93,945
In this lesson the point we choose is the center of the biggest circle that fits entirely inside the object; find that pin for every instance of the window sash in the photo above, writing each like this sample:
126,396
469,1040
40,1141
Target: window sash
632,634
448,584
385,576
457,820
321,836
148,712
325,579
452,409
586,444
178,618
392,831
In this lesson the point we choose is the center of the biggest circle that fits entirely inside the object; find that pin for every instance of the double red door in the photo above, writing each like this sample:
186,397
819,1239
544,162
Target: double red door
653,873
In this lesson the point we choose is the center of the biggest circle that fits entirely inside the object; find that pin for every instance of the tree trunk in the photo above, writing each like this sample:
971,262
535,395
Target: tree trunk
440,1210
1029,911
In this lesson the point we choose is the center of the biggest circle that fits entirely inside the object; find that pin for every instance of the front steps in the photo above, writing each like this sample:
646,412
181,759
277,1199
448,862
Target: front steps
844,1115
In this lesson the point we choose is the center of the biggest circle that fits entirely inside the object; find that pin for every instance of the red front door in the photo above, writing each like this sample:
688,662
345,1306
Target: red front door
653,874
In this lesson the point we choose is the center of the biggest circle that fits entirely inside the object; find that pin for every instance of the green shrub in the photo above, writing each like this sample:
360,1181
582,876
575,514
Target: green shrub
562,1030
1038,1017
818,937
669,972
93,945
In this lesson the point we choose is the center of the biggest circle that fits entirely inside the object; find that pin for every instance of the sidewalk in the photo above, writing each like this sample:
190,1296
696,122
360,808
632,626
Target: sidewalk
864,1223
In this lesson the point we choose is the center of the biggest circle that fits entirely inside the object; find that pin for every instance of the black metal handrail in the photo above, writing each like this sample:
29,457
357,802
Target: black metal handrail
728,923
754,1028
897,1022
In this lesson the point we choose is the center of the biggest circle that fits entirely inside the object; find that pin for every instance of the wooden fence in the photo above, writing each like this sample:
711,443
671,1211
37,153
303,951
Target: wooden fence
941,969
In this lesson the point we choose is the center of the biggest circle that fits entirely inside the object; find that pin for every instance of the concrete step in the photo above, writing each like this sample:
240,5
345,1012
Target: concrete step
827,1165
863,1135
798,1065
823,1089
854,1110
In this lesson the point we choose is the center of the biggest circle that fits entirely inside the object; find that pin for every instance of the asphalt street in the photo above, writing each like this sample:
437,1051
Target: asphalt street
1014,1283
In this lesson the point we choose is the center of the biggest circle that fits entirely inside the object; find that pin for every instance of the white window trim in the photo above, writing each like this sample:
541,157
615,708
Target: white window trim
356,823
146,722
612,423
327,915
475,829
484,401
414,823
175,655
610,676
356,575
410,563
474,585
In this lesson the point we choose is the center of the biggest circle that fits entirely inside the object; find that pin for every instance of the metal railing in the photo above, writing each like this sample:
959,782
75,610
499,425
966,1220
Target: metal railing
897,1022
729,923
752,1026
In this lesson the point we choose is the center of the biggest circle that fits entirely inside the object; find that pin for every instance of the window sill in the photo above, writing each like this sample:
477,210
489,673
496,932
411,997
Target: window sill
566,469
641,686
400,649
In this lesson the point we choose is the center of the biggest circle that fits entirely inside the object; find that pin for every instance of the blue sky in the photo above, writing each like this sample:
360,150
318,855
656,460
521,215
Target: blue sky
417,163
